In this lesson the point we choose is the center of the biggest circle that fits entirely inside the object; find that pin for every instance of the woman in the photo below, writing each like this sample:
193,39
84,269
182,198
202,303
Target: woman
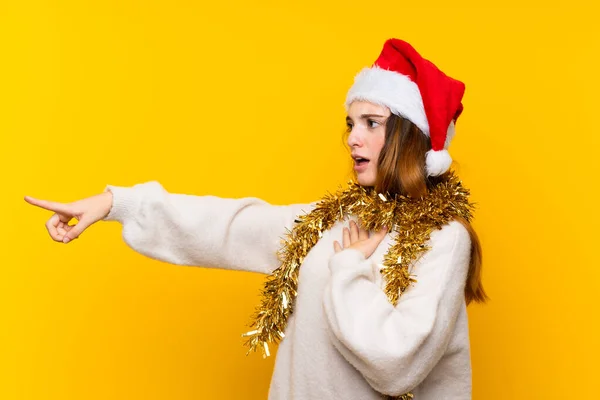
368,294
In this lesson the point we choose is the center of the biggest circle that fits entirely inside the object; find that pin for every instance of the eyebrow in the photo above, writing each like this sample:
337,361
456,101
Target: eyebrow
365,116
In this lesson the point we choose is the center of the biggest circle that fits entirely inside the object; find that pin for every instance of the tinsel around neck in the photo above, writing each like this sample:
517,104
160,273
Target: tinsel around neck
412,219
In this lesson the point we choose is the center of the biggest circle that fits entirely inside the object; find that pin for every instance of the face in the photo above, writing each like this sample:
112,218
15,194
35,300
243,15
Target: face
366,123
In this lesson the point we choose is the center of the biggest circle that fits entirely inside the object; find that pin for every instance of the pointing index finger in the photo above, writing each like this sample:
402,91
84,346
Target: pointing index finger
48,205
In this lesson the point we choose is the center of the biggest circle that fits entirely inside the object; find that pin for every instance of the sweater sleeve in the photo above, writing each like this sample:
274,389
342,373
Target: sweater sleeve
395,348
239,234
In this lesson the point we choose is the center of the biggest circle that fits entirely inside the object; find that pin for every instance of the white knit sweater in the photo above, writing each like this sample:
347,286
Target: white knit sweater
344,339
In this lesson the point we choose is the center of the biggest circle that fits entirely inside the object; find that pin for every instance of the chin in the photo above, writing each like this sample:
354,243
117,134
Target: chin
365,180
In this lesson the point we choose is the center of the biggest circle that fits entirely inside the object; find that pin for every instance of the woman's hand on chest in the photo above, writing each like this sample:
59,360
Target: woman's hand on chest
358,238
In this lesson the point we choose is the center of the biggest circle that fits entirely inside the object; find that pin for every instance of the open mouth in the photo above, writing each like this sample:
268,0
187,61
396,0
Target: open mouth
358,161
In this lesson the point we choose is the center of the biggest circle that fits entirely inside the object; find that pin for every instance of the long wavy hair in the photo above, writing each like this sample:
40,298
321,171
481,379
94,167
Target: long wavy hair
401,170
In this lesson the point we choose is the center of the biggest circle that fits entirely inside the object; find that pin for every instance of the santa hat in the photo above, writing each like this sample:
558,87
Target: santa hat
413,88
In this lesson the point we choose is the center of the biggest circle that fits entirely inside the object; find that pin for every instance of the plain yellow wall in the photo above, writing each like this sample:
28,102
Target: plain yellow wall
239,99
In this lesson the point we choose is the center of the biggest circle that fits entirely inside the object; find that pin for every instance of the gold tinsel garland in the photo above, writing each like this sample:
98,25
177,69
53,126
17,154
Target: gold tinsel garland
412,219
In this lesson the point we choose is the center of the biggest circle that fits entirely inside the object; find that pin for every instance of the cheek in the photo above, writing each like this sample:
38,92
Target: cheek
377,144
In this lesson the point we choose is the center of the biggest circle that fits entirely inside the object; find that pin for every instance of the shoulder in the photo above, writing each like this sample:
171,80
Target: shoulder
451,236
301,209
445,264
449,248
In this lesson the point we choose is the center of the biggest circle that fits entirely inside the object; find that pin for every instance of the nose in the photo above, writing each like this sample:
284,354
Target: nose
354,139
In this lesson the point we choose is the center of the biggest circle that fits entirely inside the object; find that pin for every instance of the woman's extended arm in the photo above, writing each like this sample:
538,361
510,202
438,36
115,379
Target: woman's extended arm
395,348
240,234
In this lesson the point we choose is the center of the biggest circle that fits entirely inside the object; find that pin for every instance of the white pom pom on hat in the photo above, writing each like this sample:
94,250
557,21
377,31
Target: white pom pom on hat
414,88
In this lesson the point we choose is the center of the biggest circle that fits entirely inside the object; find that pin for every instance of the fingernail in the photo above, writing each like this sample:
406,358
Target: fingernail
66,240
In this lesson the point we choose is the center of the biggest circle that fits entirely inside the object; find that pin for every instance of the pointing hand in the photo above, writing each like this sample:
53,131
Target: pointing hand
86,211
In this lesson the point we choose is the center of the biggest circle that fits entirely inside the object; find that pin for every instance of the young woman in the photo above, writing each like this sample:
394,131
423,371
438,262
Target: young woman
368,294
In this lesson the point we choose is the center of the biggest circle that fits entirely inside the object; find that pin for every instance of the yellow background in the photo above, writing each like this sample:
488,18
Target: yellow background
240,98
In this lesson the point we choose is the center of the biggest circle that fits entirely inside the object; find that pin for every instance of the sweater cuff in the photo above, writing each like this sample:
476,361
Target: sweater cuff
124,204
350,263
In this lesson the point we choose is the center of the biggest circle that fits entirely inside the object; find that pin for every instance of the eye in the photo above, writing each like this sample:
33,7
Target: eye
349,126
371,122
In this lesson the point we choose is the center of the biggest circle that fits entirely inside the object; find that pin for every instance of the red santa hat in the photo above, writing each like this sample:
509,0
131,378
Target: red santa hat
413,88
